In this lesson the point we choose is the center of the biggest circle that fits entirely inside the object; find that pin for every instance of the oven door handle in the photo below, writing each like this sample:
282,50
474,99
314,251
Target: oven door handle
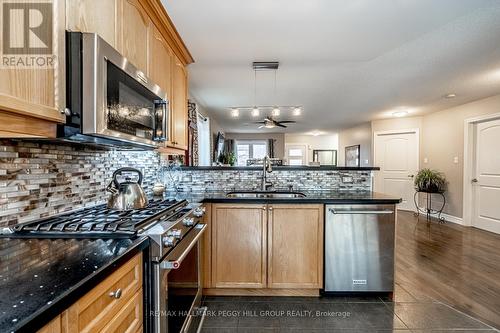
174,259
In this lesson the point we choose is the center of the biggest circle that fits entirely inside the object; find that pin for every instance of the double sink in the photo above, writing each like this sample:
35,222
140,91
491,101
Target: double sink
264,194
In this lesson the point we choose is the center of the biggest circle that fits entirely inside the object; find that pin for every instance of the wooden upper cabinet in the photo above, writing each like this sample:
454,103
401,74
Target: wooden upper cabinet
179,119
161,61
295,246
239,246
37,89
134,26
96,16
142,32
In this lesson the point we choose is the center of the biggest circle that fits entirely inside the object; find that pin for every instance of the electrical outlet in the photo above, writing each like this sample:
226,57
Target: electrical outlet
426,160
347,180
455,159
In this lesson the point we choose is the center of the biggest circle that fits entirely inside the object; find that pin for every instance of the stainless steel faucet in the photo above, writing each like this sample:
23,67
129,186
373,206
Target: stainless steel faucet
267,167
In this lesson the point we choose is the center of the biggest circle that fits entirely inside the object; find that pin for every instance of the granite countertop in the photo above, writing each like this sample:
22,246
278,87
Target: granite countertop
325,197
40,278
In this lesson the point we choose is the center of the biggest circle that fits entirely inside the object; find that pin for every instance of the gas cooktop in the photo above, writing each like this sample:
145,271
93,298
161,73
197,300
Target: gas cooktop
100,222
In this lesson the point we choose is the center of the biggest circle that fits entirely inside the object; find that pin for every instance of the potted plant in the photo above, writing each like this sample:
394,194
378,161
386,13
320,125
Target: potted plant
227,158
430,181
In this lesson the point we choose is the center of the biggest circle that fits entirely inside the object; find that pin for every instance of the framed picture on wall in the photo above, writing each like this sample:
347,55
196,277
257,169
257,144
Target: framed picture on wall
325,157
352,156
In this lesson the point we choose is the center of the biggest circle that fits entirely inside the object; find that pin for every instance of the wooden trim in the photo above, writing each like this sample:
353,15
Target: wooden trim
17,105
160,18
170,151
260,292
17,126
206,261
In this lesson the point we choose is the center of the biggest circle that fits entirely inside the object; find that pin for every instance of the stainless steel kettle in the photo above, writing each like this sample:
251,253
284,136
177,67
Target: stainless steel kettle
126,195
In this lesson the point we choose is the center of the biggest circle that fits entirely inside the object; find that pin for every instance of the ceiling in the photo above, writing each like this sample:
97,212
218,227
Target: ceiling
345,62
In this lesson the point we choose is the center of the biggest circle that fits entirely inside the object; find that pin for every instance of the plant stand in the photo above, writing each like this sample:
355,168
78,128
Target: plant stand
428,211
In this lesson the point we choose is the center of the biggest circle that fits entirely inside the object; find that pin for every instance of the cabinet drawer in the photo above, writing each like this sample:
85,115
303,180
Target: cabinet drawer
129,319
98,307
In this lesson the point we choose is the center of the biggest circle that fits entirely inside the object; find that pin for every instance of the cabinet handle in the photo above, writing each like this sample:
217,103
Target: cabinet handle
264,208
116,294
271,208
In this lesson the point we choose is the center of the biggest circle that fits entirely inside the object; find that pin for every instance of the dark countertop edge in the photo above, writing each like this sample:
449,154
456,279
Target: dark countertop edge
46,313
374,201
279,168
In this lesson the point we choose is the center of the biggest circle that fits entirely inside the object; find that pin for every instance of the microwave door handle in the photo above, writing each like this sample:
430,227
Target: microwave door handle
180,252
163,136
165,121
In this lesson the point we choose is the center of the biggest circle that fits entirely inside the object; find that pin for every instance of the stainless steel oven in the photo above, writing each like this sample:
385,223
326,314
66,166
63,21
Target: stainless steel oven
110,101
177,286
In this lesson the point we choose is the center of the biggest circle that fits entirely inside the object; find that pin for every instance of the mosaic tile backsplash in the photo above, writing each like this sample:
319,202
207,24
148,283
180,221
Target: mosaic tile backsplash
305,180
40,179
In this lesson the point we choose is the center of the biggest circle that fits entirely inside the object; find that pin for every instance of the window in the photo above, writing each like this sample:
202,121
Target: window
296,154
246,149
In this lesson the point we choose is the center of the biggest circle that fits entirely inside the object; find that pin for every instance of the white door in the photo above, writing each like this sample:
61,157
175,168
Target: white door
296,154
486,183
397,156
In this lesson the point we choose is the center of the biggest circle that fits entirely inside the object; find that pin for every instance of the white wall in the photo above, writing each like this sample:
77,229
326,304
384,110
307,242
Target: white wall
359,135
314,142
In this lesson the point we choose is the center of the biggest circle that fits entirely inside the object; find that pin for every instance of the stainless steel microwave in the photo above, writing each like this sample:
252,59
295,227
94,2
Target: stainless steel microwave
109,101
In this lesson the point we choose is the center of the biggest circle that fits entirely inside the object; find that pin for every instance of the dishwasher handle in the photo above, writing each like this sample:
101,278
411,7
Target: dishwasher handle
347,211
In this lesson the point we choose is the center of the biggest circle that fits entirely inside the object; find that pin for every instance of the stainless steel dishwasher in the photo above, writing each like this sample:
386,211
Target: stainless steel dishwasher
359,248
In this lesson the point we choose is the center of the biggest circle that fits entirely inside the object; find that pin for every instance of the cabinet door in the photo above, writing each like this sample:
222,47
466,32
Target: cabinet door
115,297
134,27
97,16
295,246
179,106
161,60
34,89
238,246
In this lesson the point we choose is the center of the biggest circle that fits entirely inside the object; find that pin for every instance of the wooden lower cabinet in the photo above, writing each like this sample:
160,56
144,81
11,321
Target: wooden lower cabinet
113,306
55,326
295,246
239,244
278,248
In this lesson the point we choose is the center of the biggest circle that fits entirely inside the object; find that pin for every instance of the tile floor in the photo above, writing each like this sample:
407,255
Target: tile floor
407,313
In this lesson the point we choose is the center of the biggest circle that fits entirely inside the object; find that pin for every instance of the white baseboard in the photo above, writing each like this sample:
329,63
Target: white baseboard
450,218
453,219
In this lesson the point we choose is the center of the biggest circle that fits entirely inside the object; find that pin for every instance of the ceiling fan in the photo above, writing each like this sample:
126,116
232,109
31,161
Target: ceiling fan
269,122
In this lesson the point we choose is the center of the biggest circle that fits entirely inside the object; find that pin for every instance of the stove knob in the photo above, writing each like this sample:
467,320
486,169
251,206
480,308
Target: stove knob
188,221
175,233
168,241
199,211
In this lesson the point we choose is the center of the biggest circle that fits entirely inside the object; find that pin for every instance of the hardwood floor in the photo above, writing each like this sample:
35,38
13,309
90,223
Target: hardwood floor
457,265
